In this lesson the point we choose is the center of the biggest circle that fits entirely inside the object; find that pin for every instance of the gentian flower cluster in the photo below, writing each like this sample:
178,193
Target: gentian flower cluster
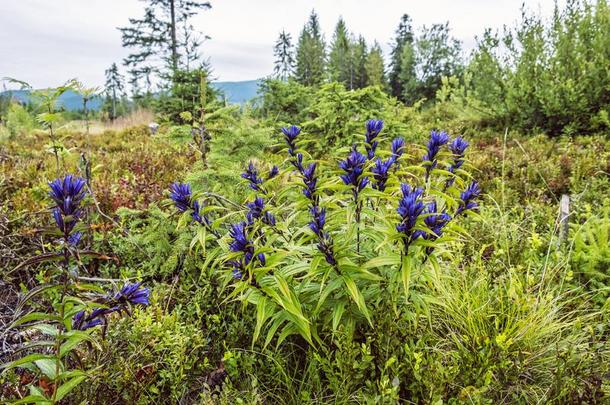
257,211
468,197
381,172
68,193
353,167
437,140
242,244
373,128
251,174
182,196
290,136
410,207
398,148
130,294
318,215
435,221
458,149
325,242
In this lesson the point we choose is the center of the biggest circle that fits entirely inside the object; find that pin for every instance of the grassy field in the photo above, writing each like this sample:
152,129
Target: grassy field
508,308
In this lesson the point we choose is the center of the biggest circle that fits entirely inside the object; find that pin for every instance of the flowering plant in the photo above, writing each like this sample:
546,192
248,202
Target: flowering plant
77,305
315,249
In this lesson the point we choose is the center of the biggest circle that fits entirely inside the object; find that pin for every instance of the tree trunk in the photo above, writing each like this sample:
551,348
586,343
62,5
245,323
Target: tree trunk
173,30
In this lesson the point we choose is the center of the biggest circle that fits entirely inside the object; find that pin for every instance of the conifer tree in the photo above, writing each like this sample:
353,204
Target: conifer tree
359,59
375,72
404,36
311,53
284,57
155,38
114,88
340,64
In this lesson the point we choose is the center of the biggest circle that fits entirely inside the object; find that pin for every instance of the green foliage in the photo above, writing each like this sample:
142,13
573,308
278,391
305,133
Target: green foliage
548,76
311,53
18,120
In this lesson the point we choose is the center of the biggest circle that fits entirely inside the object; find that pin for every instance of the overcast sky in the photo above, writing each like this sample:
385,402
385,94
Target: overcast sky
46,42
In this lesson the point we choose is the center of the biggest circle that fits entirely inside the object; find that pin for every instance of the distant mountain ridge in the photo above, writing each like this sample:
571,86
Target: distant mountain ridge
235,93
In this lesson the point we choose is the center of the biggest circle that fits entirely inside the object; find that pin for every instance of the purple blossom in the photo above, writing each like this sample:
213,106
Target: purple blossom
290,136
325,242
251,174
353,167
410,207
437,139
273,172
67,193
468,197
381,172
310,181
373,128
435,221
398,148
257,211
182,196
133,293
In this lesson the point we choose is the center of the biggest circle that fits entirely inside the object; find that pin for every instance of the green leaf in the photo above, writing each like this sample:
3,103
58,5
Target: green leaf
337,314
356,296
64,389
405,272
25,360
48,367
33,399
389,260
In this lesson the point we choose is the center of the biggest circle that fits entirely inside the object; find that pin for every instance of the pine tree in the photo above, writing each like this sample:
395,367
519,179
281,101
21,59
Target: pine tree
375,71
155,38
114,88
359,59
407,75
311,53
404,36
284,57
340,58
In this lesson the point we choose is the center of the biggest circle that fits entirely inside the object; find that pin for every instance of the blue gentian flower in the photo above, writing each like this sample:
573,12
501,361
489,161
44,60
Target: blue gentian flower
458,149
67,193
354,168
373,128
325,242
398,148
410,207
82,322
437,139
310,181
75,238
290,135
182,196
297,162
435,221
381,172
467,198
251,174
133,293
241,243
273,172
257,211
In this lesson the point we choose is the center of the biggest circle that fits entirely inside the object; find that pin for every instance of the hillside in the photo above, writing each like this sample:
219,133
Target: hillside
234,92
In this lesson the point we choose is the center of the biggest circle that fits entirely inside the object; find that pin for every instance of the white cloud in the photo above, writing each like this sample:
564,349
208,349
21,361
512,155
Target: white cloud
47,42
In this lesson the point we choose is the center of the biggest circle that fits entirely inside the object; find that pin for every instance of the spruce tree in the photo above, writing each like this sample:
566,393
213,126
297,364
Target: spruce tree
404,36
375,71
114,88
359,59
340,58
155,37
284,57
311,53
